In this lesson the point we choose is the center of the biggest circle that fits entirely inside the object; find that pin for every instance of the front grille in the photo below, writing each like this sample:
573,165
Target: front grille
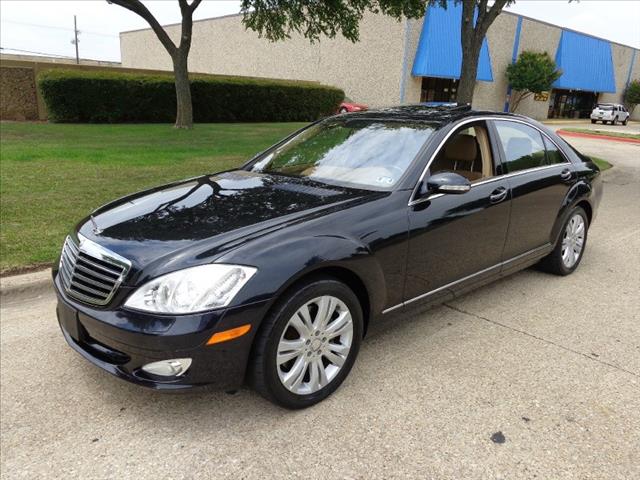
89,272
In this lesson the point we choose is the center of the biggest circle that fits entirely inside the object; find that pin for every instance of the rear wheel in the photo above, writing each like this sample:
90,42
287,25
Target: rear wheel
624,122
567,254
308,344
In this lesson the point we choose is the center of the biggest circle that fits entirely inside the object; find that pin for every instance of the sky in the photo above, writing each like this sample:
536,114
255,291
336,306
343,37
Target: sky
47,26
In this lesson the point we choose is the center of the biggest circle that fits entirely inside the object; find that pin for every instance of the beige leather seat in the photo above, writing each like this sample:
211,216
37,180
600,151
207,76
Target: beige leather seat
461,156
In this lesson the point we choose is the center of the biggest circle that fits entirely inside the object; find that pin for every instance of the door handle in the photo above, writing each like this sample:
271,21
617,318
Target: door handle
566,175
498,195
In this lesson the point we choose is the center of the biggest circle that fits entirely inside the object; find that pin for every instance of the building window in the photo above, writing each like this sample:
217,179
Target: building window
571,103
439,89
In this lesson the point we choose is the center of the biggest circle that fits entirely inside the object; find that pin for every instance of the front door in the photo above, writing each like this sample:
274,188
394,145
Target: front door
540,178
454,237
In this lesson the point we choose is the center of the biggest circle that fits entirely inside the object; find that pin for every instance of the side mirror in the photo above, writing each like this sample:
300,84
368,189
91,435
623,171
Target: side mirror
448,182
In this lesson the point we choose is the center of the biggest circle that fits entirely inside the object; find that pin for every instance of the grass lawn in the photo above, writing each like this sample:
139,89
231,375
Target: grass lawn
602,164
51,175
603,132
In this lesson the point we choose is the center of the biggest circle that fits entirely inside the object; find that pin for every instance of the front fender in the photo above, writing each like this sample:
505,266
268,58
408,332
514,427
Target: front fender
280,264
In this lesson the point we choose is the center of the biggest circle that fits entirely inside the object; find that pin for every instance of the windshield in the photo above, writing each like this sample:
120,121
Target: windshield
605,107
358,152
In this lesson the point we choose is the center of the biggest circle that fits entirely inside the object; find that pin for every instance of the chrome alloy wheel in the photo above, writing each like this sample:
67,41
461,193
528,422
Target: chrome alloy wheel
573,240
314,345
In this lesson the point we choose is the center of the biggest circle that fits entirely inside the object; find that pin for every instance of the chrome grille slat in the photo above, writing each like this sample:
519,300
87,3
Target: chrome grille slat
91,273
66,275
91,281
69,243
86,289
69,260
95,265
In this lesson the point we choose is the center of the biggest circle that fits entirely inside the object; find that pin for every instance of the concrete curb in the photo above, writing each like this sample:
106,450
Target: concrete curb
27,285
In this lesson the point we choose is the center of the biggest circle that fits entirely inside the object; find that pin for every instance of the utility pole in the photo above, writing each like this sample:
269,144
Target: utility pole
75,40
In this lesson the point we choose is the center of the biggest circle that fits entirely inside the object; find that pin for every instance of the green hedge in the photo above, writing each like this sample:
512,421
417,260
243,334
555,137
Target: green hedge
114,97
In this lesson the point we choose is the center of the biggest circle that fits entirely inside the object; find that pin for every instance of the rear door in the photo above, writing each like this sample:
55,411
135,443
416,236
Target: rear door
539,178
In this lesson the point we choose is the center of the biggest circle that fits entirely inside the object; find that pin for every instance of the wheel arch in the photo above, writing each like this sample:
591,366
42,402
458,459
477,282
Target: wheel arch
586,206
578,196
339,272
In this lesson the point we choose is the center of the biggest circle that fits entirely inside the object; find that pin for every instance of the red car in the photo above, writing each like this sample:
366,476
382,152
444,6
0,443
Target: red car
348,106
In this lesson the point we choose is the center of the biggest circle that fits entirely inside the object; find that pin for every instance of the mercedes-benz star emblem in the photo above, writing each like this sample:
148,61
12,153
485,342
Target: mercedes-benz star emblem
96,230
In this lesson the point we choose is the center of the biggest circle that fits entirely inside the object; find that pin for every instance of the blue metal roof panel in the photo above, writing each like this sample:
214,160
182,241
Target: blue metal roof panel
439,51
585,62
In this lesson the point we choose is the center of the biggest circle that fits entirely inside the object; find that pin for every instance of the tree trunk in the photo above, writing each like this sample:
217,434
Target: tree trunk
468,74
472,35
184,112
470,53
517,98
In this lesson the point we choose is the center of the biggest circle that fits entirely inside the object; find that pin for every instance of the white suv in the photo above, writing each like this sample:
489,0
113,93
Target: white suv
610,112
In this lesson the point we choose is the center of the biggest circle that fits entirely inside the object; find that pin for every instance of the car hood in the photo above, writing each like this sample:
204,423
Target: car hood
198,219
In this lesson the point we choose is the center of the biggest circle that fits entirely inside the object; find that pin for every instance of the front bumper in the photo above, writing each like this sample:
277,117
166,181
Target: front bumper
121,342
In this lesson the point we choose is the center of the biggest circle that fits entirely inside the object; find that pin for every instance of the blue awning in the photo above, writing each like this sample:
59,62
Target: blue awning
585,62
439,51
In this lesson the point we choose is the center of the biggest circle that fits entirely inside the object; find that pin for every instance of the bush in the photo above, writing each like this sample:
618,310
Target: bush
115,97
534,72
632,95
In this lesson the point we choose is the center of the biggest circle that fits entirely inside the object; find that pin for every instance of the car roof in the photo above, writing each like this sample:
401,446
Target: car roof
439,115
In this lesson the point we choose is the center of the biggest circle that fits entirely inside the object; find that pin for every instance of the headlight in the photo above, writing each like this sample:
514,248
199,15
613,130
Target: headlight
191,290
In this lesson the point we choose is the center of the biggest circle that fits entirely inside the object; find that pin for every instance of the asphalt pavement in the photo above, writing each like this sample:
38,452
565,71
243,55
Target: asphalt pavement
534,376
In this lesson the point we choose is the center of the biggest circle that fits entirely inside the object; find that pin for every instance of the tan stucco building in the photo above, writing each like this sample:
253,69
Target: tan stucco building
408,61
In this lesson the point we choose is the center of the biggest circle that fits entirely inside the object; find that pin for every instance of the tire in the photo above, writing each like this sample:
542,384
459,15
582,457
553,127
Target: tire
626,120
554,262
593,121
343,110
267,374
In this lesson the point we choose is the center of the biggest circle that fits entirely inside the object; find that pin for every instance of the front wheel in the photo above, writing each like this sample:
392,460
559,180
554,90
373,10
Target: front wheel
567,254
308,344
593,121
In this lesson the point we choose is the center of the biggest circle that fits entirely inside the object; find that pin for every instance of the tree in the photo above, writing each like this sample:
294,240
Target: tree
534,72
179,53
278,19
632,95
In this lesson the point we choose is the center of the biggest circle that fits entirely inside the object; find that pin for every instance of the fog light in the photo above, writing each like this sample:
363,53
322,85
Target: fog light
168,368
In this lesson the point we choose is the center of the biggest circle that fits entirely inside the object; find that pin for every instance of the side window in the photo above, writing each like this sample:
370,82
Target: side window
522,145
467,152
553,154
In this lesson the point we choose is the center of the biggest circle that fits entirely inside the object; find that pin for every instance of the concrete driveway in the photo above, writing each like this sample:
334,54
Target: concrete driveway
535,376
